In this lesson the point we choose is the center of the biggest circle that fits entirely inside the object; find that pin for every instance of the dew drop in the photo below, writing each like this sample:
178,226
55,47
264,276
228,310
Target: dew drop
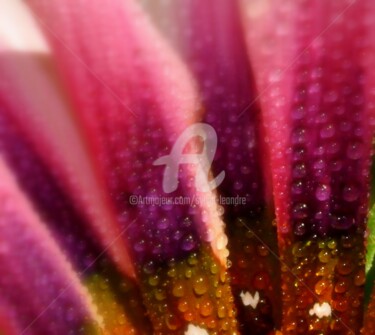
355,150
262,250
178,290
214,268
332,244
171,322
340,304
300,211
160,295
299,170
163,224
324,256
200,286
360,278
328,131
345,266
188,243
297,187
221,312
188,273
342,222
323,192
206,309
321,286
300,229
154,280
261,280
350,193
183,306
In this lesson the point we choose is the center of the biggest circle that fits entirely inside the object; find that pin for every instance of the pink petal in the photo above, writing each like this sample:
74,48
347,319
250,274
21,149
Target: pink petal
32,100
314,82
47,196
40,292
310,89
209,36
134,97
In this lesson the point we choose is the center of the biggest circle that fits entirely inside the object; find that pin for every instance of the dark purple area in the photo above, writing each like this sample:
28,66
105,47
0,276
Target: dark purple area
155,232
221,65
52,204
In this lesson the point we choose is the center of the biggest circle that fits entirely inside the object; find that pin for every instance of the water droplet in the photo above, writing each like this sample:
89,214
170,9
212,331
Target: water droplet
183,306
188,243
298,113
214,268
160,295
154,280
298,250
360,278
350,193
346,242
327,131
297,187
332,244
319,164
188,316
299,136
299,170
340,304
178,289
163,224
300,228
323,192
355,150
261,280
345,266
206,308
172,273
193,259
342,222
324,256
140,246
172,322
200,286
262,250
300,211
322,286
221,312
188,273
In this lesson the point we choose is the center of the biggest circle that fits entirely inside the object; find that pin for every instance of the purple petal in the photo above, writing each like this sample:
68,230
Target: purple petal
39,290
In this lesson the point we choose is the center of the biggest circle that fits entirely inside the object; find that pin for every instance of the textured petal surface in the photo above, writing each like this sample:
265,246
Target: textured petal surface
318,118
134,97
30,262
32,101
209,37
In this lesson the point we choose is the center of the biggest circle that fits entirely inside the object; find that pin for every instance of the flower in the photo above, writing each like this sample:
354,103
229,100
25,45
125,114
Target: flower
186,168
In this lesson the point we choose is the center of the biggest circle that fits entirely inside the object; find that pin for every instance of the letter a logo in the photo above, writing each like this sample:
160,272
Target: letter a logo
203,161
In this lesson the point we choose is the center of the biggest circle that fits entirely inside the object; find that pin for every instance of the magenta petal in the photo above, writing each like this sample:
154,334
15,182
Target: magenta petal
133,98
315,82
67,225
209,36
213,45
32,100
40,293
318,112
